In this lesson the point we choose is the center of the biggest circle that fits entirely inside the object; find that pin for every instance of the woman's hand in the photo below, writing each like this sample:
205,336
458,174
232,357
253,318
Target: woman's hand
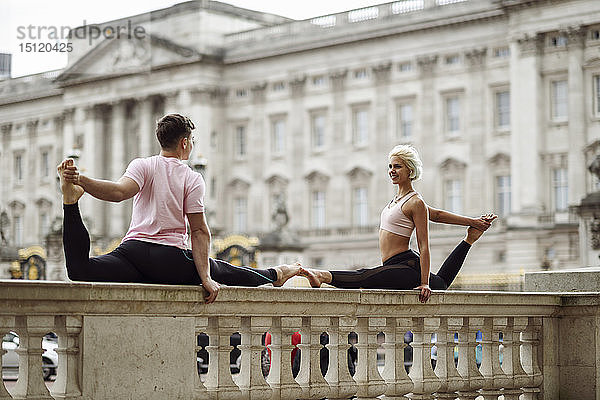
483,223
212,288
424,293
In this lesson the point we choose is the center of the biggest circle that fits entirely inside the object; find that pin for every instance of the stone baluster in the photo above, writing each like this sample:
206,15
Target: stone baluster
445,368
341,383
369,381
511,363
201,327
31,330
529,356
394,373
310,378
494,378
467,364
421,373
5,324
219,383
280,377
251,380
68,330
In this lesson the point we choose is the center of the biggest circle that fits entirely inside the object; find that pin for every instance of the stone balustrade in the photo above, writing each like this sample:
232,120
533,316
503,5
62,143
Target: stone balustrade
130,341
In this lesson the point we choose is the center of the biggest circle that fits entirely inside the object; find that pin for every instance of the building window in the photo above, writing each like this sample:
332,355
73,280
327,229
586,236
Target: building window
45,164
360,73
318,209
241,93
317,126
452,59
503,195
18,230
213,188
240,141
360,206
502,52
503,110
278,86
19,168
558,41
597,93
405,67
560,106
452,115
453,191
278,136
44,225
560,186
595,34
240,214
360,126
405,121
318,80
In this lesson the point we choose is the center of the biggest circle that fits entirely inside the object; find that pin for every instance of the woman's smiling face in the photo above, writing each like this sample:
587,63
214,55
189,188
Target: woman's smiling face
398,171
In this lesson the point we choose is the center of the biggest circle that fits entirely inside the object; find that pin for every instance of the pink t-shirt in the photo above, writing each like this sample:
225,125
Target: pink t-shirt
169,190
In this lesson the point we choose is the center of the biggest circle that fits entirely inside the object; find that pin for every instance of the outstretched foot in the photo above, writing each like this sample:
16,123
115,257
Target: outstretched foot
71,192
285,272
315,277
473,233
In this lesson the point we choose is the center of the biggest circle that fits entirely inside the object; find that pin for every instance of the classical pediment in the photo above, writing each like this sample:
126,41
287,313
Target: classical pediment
114,57
450,164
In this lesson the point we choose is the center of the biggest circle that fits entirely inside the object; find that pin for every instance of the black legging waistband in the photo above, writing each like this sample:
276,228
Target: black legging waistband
401,258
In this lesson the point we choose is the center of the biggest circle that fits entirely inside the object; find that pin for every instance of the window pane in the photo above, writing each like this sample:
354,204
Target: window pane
597,91
318,209
361,121
503,109
452,114
454,195
19,168
360,206
503,195
559,99
405,120
240,141
240,213
318,131
561,189
18,221
278,136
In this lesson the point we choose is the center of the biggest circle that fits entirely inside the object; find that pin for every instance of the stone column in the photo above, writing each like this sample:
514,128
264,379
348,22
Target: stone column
337,80
5,163
66,385
426,139
172,102
526,110
31,183
118,222
474,130
382,132
259,156
577,171
146,126
295,140
90,163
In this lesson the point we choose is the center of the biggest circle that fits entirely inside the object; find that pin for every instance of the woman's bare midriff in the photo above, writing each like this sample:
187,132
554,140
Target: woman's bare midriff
391,244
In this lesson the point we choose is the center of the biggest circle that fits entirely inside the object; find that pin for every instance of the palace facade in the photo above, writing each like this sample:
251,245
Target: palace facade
501,97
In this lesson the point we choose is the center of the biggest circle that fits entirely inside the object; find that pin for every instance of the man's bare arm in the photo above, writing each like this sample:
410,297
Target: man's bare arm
125,188
200,246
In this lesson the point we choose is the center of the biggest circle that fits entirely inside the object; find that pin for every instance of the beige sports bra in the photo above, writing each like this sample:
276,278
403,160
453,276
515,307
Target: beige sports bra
393,219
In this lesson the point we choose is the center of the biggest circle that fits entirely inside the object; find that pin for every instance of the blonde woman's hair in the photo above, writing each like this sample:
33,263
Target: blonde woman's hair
411,158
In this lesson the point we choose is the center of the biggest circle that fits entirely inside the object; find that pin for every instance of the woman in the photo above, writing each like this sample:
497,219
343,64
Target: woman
167,196
403,268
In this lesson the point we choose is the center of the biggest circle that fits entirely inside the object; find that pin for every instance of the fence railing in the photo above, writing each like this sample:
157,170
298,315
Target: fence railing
119,341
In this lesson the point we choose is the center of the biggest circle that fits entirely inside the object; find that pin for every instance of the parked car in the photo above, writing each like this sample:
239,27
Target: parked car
10,360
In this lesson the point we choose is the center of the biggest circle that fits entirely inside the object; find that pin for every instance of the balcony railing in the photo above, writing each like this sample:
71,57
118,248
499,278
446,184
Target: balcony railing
130,341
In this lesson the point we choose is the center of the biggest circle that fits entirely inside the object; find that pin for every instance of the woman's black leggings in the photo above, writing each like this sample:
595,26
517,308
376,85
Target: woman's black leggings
144,262
402,272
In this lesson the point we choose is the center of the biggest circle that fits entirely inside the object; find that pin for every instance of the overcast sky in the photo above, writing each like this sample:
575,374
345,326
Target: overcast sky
72,13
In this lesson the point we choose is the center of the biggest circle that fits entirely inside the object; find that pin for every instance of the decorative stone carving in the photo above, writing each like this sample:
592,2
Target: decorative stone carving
382,71
575,35
476,57
297,85
531,44
427,64
258,91
131,54
338,78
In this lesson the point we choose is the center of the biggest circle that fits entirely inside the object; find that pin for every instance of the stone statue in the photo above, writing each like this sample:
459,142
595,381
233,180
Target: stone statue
594,167
4,224
280,216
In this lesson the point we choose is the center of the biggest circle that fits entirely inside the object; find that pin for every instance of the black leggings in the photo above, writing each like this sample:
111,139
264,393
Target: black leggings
402,272
145,262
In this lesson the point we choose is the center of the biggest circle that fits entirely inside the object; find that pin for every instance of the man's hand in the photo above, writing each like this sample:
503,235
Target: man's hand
70,173
212,288
424,293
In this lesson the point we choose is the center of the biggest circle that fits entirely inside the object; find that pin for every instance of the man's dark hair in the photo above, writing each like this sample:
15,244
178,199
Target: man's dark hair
171,128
